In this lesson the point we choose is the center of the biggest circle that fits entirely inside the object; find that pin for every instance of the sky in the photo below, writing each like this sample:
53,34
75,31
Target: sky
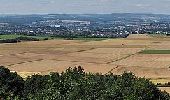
84,6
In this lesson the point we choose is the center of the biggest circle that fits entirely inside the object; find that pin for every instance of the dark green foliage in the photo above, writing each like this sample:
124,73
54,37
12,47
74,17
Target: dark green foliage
163,85
155,52
45,39
25,38
11,84
75,84
19,39
9,41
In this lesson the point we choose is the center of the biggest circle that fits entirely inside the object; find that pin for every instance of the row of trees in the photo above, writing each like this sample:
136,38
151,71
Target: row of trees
9,41
75,84
163,85
19,39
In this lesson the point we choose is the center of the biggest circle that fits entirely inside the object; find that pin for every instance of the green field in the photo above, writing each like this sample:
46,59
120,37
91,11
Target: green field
14,36
3,37
155,52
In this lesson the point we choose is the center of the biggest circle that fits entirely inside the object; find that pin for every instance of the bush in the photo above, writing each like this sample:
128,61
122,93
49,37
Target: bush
9,41
19,39
11,84
24,38
45,39
75,84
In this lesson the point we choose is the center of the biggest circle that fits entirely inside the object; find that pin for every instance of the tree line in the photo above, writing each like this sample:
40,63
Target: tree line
75,84
19,39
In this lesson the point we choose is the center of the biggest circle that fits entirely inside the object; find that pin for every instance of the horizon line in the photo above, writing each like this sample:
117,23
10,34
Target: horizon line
80,13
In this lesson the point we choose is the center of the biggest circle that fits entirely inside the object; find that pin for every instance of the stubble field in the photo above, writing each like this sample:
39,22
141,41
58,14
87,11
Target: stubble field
112,55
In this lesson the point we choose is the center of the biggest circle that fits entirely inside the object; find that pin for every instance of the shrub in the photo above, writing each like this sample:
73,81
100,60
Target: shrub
75,84
11,84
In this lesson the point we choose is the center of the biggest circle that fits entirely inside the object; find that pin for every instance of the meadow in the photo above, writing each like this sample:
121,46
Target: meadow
155,52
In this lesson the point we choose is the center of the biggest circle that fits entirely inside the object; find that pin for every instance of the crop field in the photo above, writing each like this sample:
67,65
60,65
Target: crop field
155,52
144,55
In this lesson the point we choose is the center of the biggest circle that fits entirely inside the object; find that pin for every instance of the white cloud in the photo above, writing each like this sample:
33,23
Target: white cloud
142,5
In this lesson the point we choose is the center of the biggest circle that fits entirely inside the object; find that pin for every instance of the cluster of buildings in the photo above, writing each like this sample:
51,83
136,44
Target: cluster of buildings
118,26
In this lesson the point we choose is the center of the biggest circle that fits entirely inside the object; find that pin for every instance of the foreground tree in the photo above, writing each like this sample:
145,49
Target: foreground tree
11,84
75,84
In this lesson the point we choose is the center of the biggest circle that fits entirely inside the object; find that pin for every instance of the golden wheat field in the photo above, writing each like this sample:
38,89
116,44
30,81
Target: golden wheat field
112,55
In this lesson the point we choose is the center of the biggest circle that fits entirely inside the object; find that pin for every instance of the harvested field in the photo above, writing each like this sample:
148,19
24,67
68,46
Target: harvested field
167,89
112,55
140,36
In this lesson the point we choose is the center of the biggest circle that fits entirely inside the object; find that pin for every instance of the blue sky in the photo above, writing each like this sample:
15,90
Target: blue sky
84,6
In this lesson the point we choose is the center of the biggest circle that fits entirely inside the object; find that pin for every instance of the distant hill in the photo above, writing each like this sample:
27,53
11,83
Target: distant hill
26,19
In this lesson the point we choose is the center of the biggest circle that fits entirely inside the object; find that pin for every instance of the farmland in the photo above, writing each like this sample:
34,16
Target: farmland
144,55
155,52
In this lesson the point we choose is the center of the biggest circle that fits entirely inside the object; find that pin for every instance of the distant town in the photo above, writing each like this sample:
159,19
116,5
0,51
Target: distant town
85,25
